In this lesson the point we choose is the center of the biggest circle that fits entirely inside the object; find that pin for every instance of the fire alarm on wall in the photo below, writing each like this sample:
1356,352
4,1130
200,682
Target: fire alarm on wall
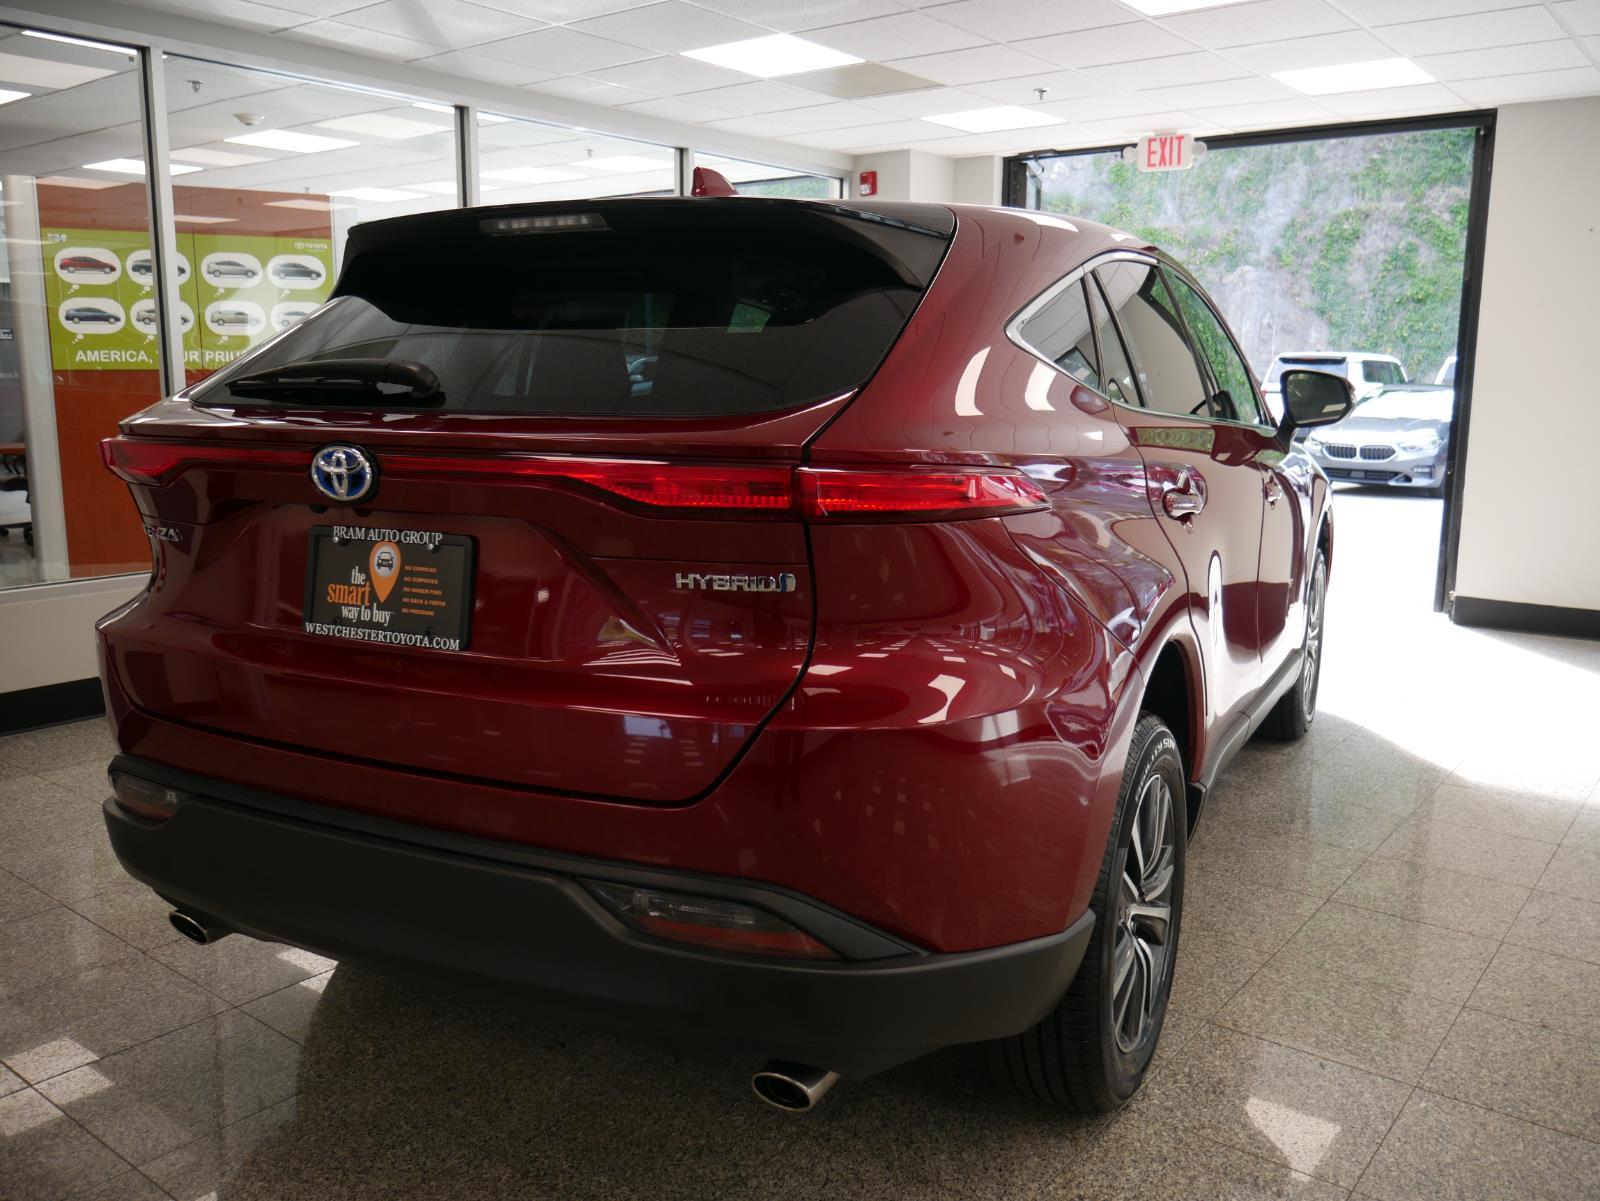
868,185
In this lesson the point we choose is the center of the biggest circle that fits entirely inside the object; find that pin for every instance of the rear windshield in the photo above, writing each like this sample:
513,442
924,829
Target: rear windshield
1333,363
665,308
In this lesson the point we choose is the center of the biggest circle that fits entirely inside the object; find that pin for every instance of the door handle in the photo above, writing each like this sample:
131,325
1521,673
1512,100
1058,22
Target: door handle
1184,499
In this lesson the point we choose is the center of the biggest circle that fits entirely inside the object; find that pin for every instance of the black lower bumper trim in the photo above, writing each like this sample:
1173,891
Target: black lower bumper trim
438,912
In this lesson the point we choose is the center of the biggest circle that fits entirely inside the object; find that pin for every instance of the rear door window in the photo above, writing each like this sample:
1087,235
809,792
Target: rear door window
1169,373
1116,372
652,308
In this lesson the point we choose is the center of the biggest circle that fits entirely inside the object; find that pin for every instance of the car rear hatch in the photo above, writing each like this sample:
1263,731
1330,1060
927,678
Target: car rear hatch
574,562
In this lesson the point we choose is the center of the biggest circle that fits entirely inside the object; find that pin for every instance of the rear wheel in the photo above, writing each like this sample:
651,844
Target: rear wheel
1296,709
1090,1053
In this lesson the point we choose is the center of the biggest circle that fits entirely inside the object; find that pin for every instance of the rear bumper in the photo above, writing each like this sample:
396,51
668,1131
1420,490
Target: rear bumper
515,921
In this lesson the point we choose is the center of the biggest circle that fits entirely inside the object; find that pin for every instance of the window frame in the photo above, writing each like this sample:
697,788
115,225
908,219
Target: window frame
1085,270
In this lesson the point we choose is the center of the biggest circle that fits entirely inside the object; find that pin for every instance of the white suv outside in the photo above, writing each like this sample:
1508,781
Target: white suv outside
1368,374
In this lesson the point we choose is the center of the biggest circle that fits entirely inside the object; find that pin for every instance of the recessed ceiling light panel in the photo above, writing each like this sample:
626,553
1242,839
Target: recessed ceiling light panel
124,51
291,140
1355,77
134,166
769,57
6,96
993,120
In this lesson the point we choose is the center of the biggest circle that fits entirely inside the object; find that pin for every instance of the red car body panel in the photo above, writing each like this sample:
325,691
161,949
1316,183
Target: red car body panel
928,734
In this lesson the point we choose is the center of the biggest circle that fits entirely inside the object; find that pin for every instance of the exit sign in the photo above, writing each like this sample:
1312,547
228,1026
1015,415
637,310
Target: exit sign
1165,152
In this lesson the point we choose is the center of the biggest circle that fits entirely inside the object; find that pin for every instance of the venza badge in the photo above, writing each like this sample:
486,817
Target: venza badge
343,473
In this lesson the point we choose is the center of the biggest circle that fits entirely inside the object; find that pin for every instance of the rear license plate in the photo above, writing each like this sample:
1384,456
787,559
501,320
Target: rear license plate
396,587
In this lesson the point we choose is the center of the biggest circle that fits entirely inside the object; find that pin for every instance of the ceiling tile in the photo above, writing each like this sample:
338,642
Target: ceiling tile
1323,50
670,75
1266,114
1580,16
592,91
1009,20
563,51
1263,21
892,135
791,16
1504,60
43,71
903,34
481,66
1427,97
671,27
1111,44
1227,91
769,125
977,64
1545,85
358,40
558,12
1481,31
1058,85
447,24
926,102
1111,107
1392,12
832,116
1198,67
307,8
762,96
859,81
245,13
674,108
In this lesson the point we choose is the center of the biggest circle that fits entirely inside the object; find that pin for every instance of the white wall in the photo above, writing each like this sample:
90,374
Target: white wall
1526,525
47,631
908,175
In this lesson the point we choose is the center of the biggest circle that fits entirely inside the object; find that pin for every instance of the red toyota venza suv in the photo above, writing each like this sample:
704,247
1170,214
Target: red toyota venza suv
809,627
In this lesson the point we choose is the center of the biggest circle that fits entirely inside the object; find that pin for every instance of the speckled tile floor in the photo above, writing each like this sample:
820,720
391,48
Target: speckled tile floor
1389,988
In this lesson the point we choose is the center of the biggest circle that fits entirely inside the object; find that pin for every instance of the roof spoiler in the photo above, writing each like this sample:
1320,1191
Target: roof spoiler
711,183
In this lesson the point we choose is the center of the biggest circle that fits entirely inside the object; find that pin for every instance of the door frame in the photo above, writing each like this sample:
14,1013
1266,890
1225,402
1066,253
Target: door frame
1020,189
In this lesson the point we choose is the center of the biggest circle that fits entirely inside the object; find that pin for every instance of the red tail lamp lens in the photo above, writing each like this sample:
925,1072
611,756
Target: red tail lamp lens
143,798
152,462
708,922
844,493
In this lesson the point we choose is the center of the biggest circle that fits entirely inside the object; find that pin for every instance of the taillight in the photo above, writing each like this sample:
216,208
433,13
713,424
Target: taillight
708,921
829,493
147,461
818,493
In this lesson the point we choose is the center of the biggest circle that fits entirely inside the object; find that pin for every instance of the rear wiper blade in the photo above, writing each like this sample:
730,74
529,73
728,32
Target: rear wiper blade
343,381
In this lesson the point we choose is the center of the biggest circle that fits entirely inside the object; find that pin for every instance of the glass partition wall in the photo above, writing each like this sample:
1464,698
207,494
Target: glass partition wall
268,173
78,344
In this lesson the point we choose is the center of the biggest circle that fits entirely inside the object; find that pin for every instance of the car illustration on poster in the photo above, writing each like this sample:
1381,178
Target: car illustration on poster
142,267
97,316
234,317
143,315
231,269
82,264
292,313
296,271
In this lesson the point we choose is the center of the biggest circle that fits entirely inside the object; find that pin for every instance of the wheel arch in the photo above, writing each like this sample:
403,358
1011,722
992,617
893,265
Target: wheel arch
1172,691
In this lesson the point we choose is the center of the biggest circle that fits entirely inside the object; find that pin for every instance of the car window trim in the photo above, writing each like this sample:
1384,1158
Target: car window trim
1013,329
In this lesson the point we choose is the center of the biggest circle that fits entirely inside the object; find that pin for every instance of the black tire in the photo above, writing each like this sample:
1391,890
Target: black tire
1296,709
1079,1057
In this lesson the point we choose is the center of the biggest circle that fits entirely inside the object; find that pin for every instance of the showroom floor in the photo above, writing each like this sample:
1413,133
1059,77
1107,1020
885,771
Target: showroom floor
1389,983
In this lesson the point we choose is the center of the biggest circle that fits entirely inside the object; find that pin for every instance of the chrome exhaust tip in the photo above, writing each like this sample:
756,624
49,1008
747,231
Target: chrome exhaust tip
196,927
792,1087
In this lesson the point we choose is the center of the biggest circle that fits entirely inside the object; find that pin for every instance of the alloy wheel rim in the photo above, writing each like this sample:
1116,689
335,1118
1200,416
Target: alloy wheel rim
1141,948
1312,669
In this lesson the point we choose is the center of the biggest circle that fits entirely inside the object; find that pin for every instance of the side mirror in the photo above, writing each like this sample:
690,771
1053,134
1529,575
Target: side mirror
1313,398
